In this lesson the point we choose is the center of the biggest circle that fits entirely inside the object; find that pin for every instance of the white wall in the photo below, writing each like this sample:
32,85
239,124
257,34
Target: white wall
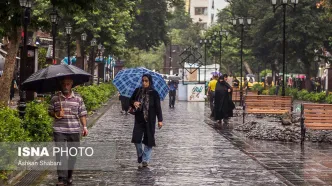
199,3
218,6
211,12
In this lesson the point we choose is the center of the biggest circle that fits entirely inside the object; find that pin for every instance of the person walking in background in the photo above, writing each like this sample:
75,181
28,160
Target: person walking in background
277,86
13,87
246,85
236,82
146,102
223,104
69,112
290,82
124,104
211,92
172,85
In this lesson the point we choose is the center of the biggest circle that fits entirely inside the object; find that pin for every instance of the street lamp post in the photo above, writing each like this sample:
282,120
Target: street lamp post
100,47
242,21
54,20
92,61
68,32
26,6
83,38
220,34
205,42
284,4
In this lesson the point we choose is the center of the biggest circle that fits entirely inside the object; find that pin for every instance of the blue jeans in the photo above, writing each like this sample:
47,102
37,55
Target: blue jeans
146,152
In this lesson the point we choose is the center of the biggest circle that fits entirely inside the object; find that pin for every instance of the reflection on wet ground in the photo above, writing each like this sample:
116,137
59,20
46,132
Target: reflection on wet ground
295,164
188,152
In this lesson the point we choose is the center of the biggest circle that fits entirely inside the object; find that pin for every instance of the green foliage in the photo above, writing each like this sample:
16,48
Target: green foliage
317,97
265,92
257,87
150,24
329,99
301,94
42,58
95,95
11,129
37,122
292,92
272,90
264,73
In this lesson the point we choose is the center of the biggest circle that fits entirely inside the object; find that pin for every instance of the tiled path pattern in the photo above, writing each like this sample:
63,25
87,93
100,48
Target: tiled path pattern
188,152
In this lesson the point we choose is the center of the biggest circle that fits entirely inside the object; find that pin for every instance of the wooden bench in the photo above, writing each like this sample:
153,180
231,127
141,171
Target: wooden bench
236,95
251,93
315,116
261,104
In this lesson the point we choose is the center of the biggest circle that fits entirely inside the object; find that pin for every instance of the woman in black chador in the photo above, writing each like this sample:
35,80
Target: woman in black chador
146,101
223,103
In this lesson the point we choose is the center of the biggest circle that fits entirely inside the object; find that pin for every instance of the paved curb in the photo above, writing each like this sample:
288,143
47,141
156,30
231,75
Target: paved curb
33,176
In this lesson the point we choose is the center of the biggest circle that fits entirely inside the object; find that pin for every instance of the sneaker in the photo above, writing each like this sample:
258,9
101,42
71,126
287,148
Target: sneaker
121,111
145,164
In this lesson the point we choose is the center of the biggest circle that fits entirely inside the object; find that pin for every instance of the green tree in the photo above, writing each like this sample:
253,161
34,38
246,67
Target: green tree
10,21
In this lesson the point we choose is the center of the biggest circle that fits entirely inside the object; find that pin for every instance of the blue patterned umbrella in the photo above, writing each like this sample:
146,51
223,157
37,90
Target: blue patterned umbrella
127,80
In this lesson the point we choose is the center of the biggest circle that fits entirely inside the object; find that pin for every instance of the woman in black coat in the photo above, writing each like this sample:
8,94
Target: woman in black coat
146,101
223,103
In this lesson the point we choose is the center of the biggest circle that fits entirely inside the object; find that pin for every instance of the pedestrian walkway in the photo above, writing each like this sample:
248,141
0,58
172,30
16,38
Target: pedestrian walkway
188,152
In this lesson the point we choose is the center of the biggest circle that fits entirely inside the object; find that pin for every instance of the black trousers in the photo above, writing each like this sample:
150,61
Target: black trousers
124,103
63,140
211,99
172,96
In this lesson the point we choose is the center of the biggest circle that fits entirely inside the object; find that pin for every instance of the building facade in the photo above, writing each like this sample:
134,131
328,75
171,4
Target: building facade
204,12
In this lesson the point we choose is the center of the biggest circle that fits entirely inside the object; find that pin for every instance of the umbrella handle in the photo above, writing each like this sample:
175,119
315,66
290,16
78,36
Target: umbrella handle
61,109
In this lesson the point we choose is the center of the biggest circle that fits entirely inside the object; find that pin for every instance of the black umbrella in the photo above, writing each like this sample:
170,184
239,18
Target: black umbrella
48,79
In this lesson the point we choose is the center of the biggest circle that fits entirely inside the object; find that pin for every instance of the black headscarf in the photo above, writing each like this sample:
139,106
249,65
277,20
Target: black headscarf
150,80
144,97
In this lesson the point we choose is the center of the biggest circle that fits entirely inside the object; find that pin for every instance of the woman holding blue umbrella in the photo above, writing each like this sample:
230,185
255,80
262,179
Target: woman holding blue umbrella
146,102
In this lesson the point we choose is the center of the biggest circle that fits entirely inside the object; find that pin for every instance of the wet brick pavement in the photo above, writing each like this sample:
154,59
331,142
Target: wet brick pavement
188,152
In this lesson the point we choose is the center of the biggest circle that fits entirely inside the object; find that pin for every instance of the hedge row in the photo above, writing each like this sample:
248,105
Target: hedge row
37,124
303,95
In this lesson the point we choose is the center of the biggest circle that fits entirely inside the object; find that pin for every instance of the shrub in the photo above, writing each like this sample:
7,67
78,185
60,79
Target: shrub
301,94
95,95
291,92
272,90
11,126
11,130
257,87
317,97
329,99
265,92
37,122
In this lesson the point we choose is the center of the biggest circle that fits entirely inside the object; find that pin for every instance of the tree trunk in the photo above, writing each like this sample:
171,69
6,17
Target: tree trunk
78,48
247,66
10,62
91,66
79,59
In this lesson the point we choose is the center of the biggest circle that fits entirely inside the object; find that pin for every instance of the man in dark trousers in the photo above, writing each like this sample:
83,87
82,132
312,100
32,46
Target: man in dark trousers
172,85
69,112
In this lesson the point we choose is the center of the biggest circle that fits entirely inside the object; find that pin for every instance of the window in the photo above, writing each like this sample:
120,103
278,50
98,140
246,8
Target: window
212,4
201,10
